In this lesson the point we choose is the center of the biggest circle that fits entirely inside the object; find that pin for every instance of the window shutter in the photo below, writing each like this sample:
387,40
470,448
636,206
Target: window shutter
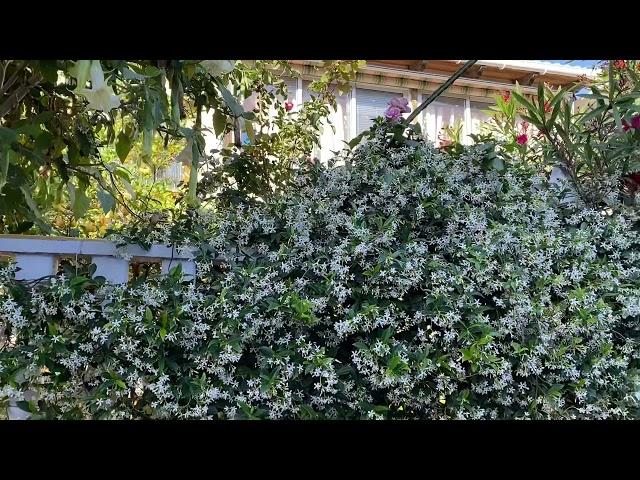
292,88
369,105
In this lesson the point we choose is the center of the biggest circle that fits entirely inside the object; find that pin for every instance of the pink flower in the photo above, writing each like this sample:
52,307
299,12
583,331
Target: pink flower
522,139
393,113
635,123
401,104
619,64
288,105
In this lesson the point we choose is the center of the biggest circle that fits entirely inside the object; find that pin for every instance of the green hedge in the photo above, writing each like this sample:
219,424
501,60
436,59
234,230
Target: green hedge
407,283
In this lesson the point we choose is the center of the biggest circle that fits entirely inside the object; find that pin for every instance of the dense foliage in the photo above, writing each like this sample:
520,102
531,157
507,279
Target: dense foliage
595,146
406,283
69,132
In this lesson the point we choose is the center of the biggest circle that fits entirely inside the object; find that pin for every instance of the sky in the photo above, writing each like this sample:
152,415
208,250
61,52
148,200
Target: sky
577,63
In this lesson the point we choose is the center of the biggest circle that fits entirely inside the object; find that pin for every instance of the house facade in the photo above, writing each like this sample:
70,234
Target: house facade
464,103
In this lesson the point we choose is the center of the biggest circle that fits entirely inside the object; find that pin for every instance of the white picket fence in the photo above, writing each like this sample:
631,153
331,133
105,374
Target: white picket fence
38,256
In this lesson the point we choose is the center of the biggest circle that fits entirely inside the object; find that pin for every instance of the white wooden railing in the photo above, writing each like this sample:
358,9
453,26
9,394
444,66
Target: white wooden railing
38,256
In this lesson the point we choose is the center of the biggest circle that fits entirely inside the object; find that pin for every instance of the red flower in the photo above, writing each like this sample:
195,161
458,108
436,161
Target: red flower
522,139
547,107
506,96
619,64
288,105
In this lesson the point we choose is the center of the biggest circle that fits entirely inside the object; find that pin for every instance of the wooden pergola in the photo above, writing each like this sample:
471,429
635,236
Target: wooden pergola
524,72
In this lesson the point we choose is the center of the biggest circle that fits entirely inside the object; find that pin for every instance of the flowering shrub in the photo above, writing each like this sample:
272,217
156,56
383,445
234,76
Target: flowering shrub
407,283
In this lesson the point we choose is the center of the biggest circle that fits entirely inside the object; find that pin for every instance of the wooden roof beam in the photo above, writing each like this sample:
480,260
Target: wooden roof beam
419,65
477,71
529,78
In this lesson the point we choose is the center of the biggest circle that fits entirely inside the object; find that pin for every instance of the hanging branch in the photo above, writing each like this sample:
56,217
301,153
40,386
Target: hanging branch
192,199
439,91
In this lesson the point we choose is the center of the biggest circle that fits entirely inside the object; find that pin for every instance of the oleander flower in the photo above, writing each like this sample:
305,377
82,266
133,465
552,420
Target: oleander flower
635,123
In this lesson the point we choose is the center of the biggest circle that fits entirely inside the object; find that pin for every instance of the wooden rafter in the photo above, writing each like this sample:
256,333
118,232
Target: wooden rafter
477,71
419,65
529,78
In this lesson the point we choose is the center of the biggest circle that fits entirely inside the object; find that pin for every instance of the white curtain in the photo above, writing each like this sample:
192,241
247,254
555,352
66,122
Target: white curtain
478,115
442,113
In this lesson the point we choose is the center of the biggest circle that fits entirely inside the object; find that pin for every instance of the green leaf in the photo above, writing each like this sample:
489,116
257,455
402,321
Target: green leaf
7,136
497,164
526,103
249,116
593,113
78,281
80,70
107,202
5,160
148,314
151,71
218,67
128,188
616,116
219,122
79,201
30,202
230,100
593,95
541,99
123,146
49,69
43,141
147,144
628,96
357,139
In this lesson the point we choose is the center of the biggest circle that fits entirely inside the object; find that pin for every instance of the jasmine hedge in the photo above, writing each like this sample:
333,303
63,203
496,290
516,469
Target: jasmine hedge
405,283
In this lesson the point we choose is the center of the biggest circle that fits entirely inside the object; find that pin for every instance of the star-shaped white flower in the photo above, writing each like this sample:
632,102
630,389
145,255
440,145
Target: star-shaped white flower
100,95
